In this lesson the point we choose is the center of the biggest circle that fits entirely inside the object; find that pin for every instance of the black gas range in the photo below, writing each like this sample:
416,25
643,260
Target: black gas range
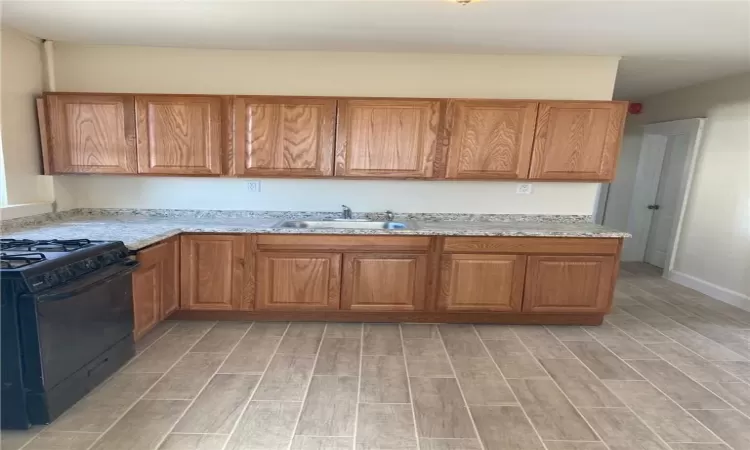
67,323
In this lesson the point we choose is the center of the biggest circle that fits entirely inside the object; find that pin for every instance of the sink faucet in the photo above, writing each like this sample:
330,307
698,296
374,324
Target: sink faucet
347,212
389,216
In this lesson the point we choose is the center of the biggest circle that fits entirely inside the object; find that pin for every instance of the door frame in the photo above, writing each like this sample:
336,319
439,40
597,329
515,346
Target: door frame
646,186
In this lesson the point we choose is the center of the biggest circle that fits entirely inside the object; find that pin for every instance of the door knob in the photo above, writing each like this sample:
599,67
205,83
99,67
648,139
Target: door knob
653,206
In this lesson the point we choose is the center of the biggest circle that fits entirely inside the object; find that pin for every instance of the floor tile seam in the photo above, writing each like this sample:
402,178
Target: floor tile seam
639,418
158,339
307,389
257,384
687,312
112,425
663,393
537,360
197,395
408,387
678,342
502,375
359,385
458,384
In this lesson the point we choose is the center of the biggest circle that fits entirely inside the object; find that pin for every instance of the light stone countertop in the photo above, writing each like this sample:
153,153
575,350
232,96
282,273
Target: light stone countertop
139,231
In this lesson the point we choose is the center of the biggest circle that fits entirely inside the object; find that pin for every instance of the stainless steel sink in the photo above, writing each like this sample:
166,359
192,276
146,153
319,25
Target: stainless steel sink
348,223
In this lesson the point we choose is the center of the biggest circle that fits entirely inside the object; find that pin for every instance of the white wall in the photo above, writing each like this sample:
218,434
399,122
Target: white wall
714,246
168,70
325,195
21,82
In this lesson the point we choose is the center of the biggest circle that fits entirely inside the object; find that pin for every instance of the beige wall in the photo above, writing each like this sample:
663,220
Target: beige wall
715,242
20,82
168,70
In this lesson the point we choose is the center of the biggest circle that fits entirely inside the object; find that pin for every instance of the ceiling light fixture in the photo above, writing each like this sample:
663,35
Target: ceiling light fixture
464,2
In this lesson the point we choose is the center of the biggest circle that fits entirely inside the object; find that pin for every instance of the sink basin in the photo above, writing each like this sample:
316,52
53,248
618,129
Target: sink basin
349,224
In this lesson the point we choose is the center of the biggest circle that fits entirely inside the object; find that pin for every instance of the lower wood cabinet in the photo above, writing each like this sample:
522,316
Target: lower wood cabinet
384,282
213,271
481,282
156,287
298,281
563,280
559,284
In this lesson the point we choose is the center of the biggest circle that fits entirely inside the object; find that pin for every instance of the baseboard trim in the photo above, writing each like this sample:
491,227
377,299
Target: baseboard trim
712,290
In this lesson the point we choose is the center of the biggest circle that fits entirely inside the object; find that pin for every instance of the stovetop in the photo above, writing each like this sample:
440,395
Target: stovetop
49,245
42,264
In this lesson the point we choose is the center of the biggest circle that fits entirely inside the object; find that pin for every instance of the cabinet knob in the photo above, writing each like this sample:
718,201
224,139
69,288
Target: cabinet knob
653,206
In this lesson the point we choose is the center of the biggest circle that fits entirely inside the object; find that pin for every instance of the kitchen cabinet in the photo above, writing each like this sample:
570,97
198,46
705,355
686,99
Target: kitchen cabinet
489,139
90,133
212,271
387,138
566,283
179,135
482,282
284,136
298,281
577,140
384,282
470,279
402,138
155,285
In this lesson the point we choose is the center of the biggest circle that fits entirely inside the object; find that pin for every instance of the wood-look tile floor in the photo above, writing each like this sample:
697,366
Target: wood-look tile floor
669,369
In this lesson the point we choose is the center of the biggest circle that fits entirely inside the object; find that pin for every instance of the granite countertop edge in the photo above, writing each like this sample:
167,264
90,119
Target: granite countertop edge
145,242
138,232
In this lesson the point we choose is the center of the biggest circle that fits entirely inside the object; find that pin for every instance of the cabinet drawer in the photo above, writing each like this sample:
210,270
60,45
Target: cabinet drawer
531,245
343,243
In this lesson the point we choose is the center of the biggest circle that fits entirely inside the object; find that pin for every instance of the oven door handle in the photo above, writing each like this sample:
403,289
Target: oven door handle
91,281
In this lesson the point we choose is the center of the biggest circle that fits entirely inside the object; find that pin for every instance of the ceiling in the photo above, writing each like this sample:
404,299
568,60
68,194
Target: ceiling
664,44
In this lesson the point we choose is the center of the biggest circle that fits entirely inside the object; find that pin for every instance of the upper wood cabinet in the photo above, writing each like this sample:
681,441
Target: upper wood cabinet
489,139
298,281
579,284
577,140
213,271
481,282
90,133
179,135
390,138
284,136
384,282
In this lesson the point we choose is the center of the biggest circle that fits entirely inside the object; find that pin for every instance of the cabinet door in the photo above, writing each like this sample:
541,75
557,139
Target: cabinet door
577,140
284,136
147,282
481,282
489,139
298,281
179,135
212,272
148,289
91,133
386,138
384,282
170,299
579,284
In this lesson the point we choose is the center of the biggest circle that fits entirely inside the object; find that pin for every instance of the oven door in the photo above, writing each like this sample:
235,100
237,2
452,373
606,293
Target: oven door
67,327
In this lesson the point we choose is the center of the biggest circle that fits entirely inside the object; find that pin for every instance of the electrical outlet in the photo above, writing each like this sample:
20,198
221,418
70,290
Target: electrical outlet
253,186
524,188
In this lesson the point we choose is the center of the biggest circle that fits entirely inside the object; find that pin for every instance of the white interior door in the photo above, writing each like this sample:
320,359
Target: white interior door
667,199
663,177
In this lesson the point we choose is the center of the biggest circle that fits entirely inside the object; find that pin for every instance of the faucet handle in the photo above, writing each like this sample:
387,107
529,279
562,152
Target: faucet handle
389,215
